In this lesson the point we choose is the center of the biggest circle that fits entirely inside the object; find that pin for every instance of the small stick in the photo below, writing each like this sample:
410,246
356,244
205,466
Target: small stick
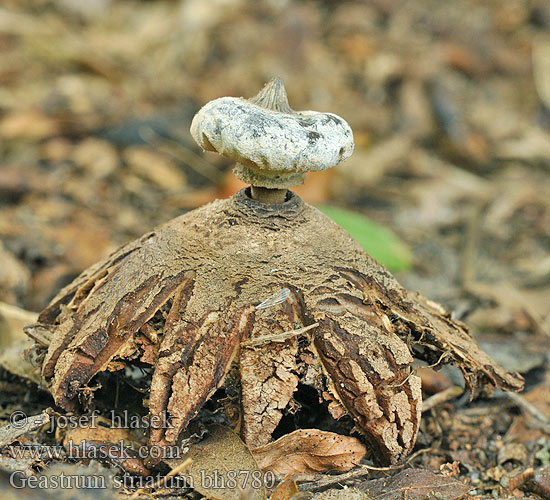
277,337
181,467
362,471
181,153
441,397
16,313
530,409
446,353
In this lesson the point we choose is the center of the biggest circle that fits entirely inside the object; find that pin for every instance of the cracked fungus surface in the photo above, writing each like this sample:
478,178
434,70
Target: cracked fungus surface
183,299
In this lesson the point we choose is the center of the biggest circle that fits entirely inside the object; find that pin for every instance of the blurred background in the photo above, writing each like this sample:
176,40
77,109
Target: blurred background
449,103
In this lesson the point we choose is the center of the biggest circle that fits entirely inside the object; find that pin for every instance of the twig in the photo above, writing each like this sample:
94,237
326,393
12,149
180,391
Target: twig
277,337
530,409
467,273
178,151
323,483
441,397
446,353
14,312
181,467
363,470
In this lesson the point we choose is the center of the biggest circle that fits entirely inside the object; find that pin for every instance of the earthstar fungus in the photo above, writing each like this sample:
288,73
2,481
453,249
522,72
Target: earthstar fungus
261,292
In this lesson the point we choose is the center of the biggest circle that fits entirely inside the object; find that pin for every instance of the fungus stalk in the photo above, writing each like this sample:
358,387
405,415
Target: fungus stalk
269,196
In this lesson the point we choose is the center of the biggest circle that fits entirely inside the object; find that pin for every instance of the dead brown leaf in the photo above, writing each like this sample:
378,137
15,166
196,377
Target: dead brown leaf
223,468
526,427
516,452
286,490
155,167
20,426
77,435
414,484
310,450
345,494
27,124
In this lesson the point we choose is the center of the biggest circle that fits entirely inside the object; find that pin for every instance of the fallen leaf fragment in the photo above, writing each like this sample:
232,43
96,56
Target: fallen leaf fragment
516,452
12,359
533,423
95,432
517,478
223,468
541,482
286,490
414,484
450,469
155,167
27,124
21,425
345,494
310,450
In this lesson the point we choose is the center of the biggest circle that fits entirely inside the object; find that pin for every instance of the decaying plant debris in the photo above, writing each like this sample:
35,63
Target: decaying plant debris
274,291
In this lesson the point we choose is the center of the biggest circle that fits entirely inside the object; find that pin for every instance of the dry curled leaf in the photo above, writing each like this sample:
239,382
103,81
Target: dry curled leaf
20,426
286,490
310,450
414,484
345,494
223,468
12,359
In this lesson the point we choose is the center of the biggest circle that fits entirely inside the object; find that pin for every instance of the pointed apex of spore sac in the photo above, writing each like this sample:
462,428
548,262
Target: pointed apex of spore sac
273,96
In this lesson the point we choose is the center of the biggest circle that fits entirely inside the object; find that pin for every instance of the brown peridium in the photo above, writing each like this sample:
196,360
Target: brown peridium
273,292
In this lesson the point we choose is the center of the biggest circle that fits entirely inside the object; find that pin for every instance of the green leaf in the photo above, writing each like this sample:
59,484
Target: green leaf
376,240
